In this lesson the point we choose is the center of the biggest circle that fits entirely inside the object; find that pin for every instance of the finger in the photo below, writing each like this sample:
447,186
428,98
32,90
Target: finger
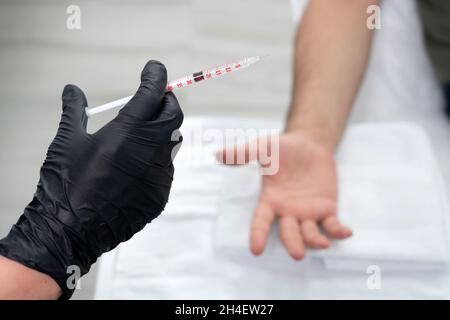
175,144
238,154
74,103
165,126
262,220
146,102
335,229
315,209
171,112
312,236
291,237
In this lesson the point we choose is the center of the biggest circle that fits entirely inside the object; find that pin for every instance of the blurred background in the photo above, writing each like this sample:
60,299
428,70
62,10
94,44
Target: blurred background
39,55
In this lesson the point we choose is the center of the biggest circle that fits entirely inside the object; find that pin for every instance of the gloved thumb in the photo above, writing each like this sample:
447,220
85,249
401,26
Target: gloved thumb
73,102
147,101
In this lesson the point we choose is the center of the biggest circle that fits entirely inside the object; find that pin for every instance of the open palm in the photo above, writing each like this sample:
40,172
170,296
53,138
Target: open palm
302,194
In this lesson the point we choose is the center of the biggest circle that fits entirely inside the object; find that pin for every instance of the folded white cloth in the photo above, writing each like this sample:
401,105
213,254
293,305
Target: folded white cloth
390,192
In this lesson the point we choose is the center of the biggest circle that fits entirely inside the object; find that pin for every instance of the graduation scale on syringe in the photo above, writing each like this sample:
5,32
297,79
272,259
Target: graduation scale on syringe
183,82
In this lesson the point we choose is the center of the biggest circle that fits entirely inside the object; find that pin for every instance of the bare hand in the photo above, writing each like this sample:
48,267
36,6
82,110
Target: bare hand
302,194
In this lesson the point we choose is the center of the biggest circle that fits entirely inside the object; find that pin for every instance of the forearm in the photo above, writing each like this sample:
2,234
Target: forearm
20,282
331,53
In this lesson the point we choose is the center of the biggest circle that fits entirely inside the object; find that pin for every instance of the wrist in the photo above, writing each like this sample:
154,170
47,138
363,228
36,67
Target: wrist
21,282
316,134
39,242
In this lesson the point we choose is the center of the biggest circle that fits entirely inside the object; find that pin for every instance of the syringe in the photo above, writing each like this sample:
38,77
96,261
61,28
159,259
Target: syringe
183,82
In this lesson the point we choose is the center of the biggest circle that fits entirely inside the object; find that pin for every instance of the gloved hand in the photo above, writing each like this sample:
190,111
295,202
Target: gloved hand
97,190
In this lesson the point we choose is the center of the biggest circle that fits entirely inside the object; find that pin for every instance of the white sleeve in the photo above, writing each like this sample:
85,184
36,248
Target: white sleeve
298,6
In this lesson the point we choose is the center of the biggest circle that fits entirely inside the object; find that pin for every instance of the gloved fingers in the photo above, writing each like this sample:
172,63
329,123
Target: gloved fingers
164,126
175,144
74,103
147,100
169,150
171,110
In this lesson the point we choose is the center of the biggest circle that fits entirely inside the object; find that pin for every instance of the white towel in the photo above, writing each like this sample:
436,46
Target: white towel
391,194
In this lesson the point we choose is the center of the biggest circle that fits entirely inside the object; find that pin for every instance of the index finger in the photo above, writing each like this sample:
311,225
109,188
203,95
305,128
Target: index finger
262,220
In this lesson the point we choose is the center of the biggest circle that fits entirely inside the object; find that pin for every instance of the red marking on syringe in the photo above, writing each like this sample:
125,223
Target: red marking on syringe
198,76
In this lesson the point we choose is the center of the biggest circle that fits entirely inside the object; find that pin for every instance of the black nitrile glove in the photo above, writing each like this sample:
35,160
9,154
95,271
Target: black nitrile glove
97,190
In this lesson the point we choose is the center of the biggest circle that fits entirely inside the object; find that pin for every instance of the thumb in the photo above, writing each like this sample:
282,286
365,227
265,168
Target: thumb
148,99
238,154
264,149
73,102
